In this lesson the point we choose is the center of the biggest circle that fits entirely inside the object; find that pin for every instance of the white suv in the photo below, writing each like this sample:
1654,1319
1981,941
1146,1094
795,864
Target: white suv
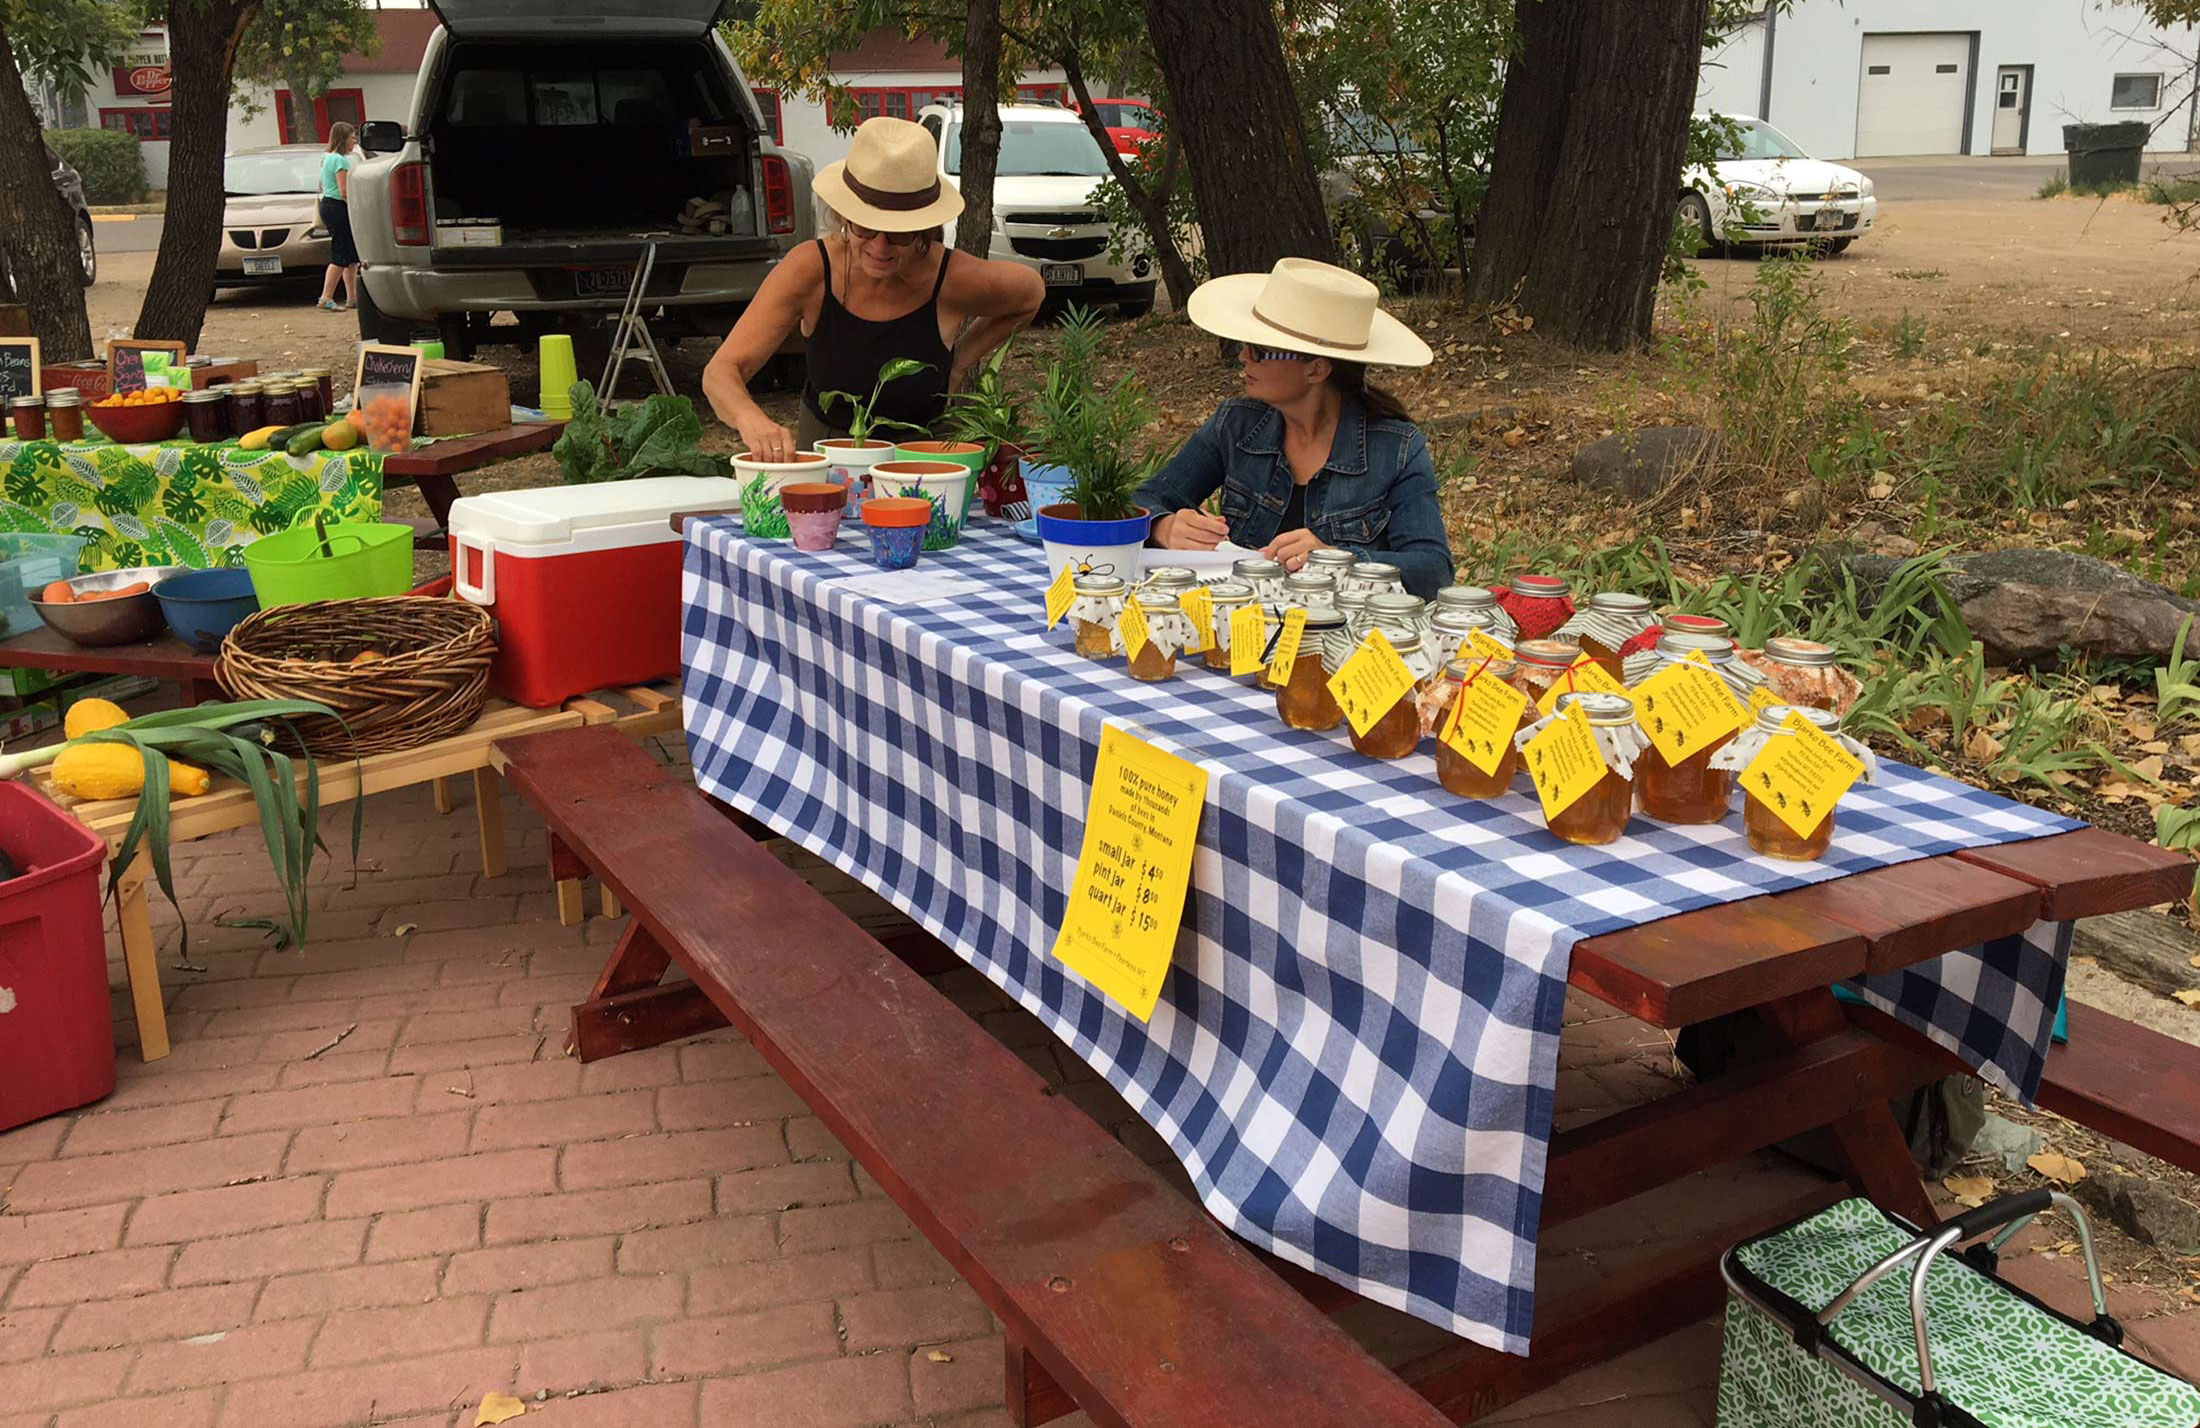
1042,204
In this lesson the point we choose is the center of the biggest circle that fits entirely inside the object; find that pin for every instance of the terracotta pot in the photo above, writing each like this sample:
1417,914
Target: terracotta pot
946,484
813,496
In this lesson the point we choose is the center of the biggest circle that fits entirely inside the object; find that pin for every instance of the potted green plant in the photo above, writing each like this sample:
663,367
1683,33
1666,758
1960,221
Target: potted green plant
987,415
1098,435
852,456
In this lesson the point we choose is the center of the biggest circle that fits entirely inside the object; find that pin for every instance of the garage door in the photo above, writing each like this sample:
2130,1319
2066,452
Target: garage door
1910,98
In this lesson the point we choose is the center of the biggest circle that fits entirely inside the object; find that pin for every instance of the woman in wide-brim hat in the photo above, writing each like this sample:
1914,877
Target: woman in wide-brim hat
1312,455
884,285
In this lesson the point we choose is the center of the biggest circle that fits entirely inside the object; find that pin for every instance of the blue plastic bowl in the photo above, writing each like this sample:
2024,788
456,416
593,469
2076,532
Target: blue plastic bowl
202,606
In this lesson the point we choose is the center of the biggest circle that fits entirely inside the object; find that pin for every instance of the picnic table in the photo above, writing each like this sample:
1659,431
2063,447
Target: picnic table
1355,1052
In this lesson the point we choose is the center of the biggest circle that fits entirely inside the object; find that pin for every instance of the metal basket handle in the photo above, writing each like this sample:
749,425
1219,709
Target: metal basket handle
2015,1211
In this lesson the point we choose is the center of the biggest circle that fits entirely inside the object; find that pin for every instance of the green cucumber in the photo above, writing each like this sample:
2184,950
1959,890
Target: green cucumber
282,438
308,441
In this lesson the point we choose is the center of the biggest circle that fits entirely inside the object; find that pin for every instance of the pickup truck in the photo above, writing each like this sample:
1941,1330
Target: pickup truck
548,143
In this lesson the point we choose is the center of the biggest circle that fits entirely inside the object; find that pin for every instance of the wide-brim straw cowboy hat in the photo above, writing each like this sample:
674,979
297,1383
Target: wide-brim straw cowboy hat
1300,305
890,180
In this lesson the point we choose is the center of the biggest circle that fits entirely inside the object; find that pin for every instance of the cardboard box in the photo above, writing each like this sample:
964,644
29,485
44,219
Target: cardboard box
460,398
468,233
92,380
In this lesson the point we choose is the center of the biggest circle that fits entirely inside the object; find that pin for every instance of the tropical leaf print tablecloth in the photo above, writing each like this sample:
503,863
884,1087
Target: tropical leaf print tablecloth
177,503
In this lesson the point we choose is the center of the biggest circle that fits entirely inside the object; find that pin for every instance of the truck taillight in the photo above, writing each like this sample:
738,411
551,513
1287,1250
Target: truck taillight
778,195
409,204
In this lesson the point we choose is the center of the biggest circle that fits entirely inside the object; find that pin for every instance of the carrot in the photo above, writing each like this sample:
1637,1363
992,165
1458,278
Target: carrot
58,593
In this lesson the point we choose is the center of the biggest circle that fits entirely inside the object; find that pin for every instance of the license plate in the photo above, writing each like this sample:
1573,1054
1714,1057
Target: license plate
1063,275
602,282
262,267
1829,219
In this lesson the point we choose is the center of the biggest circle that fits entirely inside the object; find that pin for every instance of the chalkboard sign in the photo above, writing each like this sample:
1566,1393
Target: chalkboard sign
19,367
383,367
126,361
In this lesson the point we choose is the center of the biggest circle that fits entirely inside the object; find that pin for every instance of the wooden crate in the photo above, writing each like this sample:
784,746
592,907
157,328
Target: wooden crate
460,398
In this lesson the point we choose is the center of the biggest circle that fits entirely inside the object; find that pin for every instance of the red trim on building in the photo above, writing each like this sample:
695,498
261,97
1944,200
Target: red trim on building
348,105
775,122
149,122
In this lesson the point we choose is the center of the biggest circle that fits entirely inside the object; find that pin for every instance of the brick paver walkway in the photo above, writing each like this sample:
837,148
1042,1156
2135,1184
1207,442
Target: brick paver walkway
369,1187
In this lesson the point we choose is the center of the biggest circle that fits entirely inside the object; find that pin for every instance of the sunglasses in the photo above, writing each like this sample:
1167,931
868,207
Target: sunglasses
899,240
1274,354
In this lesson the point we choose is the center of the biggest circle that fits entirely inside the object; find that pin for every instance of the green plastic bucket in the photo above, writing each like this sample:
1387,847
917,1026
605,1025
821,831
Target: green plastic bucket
288,567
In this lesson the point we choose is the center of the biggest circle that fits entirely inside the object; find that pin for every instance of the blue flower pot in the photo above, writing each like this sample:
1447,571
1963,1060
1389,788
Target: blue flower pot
1093,547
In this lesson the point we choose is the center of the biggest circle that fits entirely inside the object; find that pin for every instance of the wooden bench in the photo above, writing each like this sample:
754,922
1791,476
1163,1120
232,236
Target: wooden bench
433,468
1110,1283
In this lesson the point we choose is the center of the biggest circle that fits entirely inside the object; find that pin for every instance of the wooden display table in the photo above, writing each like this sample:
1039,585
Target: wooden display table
164,658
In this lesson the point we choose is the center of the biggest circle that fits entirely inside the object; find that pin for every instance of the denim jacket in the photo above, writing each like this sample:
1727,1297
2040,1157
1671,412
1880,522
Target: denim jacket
1375,496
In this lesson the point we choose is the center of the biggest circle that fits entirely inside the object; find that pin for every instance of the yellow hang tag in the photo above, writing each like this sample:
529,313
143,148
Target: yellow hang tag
1586,674
1127,902
1061,594
1199,608
1699,657
1565,762
1762,697
1287,648
1481,643
1132,624
1371,682
1686,709
1483,720
1801,778
1248,637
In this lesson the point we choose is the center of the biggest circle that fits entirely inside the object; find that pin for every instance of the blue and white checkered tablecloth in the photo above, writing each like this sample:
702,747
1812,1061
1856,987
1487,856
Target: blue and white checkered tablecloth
1355,1053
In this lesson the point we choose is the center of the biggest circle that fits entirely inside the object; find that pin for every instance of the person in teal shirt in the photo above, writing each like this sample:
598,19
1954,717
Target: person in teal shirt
343,253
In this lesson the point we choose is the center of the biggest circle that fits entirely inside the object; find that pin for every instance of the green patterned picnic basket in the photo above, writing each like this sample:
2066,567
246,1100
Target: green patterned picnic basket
1850,1318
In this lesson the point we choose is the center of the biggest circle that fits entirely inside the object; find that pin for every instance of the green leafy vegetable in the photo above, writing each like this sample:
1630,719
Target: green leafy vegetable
659,436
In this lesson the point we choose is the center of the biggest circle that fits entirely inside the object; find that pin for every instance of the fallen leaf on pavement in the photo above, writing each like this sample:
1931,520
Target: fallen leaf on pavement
2190,996
2059,1168
940,1356
1971,1191
403,928
498,1408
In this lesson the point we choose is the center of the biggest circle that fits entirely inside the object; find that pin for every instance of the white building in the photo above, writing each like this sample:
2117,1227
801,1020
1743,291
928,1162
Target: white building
1857,78
888,73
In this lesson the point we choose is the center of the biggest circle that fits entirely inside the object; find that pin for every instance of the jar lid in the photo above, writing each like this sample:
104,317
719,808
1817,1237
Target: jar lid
1616,602
1170,577
1465,597
1463,667
28,402
1680,644
1324,617
1608,710
1256,567
204,395
1373,570
1772,717
1352,602
1332,555
254,386
1230,592
1308,582
65,397
1098,586
1542,587
1547,654
1699,624
1160,602
1788,649
1394,605
316,373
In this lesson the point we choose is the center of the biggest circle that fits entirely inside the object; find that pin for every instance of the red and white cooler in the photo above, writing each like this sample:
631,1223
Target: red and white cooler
584,581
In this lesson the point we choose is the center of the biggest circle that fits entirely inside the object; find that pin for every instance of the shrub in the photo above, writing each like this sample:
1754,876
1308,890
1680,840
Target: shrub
112,162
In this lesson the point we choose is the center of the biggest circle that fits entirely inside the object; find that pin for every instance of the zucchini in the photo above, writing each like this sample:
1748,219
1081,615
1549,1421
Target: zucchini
279,438
306,442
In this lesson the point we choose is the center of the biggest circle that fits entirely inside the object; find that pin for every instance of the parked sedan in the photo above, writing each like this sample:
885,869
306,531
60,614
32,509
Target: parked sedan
1129,122
1769,193
271,225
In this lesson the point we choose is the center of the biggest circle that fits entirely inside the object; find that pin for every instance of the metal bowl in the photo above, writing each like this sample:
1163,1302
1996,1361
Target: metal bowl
110,622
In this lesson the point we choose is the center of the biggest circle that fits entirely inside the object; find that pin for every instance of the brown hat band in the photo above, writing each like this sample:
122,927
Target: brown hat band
1307,336
888,198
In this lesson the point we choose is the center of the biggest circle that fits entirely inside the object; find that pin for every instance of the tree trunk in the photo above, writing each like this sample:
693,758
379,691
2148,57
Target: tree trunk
37,229
1152,204
1233,108
981,131
202,55
1590,139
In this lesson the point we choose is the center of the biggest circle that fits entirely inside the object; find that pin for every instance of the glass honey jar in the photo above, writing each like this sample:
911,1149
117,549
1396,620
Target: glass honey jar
1352,604
1480,603
1698,625
1331,561
1600,815
1167,632
1543,663
1264,575
1225,598
1607,626
1454,770
1307,587
1398,732
1303,701
1692,791
1175,578
1768,833
1094,613
1805,673
1538,604
1371,577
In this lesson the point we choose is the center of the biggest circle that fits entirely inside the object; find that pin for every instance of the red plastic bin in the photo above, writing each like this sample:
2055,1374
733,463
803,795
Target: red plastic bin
57,1039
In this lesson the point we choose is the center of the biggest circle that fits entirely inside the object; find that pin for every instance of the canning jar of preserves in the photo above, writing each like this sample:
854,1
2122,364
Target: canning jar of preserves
1094,612
1805,673
1454,770
1697,625
1307,587
1600,815
1692,791
1167,633
1264,575
279,404
1481,603
247,407
206,415
1225,598
1538,604
324,382
1609,628
65,414
29,413
1768,833
1543,663
1303,700
1397,732
1352,604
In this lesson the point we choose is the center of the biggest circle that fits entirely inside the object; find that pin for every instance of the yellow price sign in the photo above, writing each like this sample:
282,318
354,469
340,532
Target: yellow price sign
1248,638
1286,656
1199,608
1371,682
1802,776
1127,901
1565,762
1132,624
1685,709
1481,643
1061,594
1483,720
1586,674
1762,697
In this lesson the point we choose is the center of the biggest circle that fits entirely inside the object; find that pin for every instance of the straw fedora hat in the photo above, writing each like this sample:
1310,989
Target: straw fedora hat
890,180
1300,305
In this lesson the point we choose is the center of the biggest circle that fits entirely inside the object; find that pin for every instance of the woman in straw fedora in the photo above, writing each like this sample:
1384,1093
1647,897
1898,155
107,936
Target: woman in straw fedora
1312,455
883,286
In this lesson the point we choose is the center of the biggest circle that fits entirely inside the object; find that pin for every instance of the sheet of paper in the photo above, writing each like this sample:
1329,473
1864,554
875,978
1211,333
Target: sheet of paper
1204,563
1127,901
1685,709
1802,775
905,587
1565,762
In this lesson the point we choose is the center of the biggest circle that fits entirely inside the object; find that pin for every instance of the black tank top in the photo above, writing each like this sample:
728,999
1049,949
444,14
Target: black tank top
846,352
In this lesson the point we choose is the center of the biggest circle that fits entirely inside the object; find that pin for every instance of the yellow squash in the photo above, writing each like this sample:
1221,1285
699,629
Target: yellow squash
89,715
256,440
104,770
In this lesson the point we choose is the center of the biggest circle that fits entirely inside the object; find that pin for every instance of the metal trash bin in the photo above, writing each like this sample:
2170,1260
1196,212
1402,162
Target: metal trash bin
2104,155
1851,1318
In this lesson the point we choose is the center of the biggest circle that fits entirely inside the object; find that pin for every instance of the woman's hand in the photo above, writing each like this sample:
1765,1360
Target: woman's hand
1292,547
766,439
1190,530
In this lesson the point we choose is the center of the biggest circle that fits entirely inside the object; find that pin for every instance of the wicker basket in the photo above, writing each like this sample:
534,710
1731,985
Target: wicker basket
429,681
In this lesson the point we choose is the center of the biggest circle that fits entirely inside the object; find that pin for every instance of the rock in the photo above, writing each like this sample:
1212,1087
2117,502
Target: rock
2000,1136
2025,605
1641,463
2142,1210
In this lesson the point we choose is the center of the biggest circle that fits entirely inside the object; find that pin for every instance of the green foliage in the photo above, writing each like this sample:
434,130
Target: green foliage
111,162
2177,828
1907,336
1778,400
2015,729
2171,191
985,411
65,40
1098,435
862,422
655,437
2055,186
1128,237
301,44
2177,685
